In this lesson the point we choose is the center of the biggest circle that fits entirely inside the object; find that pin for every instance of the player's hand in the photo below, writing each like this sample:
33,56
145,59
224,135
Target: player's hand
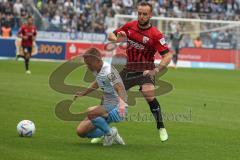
77,95
150,73
121,36
121,111
122,108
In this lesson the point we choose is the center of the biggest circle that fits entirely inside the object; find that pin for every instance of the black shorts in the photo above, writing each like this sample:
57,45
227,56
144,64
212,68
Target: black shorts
27,49
131,79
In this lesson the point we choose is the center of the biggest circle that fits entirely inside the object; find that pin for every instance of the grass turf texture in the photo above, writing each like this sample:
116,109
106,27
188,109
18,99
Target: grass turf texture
212,131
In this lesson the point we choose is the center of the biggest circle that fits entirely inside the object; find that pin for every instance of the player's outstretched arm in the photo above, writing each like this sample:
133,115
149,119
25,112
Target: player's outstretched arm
121,36
163,64
91,88
112,37
119,88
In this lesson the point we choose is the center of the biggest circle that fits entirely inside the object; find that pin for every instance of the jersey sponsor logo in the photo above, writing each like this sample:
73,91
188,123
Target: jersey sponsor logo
145,39
111,77
162,41
135,44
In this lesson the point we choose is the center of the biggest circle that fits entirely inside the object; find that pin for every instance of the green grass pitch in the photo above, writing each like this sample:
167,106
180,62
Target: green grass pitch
209,100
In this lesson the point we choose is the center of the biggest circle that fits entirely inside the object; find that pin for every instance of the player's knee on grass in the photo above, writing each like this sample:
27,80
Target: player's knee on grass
81,132
84,127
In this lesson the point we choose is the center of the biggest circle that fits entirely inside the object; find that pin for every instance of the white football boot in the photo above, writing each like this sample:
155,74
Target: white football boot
109,139
118,140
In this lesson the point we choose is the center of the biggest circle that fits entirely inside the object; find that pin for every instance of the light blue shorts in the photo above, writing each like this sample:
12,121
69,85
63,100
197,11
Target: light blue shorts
110,107
113,115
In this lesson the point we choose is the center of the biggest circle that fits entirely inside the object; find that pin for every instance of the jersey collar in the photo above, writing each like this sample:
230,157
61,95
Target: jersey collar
144,28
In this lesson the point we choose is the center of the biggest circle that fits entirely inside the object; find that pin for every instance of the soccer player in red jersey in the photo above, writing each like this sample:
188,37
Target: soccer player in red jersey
28,34
144,40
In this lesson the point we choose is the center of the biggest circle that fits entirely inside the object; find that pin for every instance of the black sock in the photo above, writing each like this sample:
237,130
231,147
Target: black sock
26,64
156,111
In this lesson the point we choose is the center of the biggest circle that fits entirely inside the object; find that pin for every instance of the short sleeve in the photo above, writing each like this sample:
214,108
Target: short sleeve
161,44
114,77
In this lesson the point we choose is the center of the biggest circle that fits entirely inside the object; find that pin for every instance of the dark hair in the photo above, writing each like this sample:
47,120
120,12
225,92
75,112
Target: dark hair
93,53
144,3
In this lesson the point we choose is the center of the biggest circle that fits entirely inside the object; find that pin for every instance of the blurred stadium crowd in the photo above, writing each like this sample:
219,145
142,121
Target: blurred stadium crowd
97,16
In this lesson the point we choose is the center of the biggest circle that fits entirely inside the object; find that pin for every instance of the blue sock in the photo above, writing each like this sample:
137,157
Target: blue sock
94,133
102,124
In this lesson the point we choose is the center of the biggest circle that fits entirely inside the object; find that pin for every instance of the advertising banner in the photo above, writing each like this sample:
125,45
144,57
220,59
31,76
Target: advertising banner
50,50
42,49
7,48
188,57
74,49
207,55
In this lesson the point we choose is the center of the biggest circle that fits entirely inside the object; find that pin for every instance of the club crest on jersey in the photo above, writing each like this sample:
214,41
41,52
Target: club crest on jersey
111,77
145,39
162,41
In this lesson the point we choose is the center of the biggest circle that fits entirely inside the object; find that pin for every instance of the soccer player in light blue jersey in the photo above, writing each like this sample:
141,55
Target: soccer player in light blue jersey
113,107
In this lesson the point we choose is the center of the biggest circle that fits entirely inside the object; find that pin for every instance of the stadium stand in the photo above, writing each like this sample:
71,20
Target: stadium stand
97,16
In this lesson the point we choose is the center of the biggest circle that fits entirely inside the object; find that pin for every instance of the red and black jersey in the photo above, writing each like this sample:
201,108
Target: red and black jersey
30,32
142,45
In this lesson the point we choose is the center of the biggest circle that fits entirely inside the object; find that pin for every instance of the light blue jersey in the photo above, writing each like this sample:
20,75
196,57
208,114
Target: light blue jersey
106,79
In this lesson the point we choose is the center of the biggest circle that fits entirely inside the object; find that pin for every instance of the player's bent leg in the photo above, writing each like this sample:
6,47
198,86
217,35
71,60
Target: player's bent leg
147,90
96,111
101,116
84,127
98,115
148,93
113,116
87,130
109,134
